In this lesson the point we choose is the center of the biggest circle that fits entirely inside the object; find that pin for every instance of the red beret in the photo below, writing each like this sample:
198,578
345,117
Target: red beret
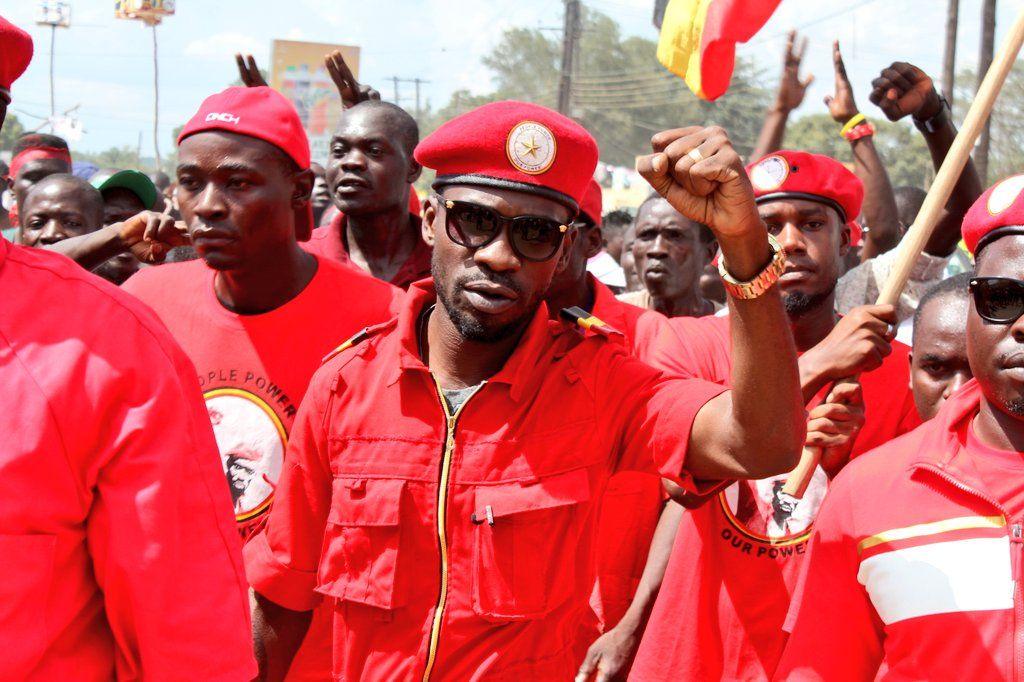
591,206
15,55
514,145
260,112
997,212
802,175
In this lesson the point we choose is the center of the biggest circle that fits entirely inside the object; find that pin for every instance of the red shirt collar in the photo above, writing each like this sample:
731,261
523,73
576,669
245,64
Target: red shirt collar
415,267
519,371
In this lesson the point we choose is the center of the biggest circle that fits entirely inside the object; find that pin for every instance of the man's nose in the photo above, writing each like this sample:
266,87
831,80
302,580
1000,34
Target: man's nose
209,204
791,239
958,380
498,255
53,231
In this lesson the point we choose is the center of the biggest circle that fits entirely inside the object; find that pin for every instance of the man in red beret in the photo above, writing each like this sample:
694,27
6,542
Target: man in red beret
915,564
119,557
440,488
733,563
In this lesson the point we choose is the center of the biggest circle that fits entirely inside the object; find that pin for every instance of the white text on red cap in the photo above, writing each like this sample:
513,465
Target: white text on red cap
223,118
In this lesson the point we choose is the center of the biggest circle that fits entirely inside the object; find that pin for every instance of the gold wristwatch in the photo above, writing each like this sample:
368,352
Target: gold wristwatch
762,282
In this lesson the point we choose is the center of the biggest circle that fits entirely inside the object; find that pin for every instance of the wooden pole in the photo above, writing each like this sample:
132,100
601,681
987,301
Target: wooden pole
917,236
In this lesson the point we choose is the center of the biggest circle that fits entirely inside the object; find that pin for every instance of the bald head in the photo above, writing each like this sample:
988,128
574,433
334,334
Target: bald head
371,166
388,118
58,207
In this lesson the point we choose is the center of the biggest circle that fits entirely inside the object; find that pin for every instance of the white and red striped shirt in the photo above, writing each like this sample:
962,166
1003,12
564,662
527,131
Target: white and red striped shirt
915,563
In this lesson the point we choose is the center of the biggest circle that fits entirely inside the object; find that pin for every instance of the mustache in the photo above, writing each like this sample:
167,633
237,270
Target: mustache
494,278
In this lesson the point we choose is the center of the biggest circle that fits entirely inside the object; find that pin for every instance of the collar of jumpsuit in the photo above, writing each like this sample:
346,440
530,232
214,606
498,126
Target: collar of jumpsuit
456,544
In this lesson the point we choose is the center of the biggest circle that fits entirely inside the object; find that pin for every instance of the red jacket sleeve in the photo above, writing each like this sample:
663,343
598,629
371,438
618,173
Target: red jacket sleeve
655,414
281,561
160,530
835,633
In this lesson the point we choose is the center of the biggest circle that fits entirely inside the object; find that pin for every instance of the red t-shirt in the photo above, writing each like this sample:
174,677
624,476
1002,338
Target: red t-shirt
254,369
735,560
328,242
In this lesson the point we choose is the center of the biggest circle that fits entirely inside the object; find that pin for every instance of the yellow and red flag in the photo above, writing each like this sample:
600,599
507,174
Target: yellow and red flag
698,39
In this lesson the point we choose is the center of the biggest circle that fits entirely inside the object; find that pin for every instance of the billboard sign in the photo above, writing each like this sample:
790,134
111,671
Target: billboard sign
297,71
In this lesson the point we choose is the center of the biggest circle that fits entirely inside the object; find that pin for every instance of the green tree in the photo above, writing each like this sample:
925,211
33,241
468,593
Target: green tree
1006,145
12,130
900,146
115,157
620,91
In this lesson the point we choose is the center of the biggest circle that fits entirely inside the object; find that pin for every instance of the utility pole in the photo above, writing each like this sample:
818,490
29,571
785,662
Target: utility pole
53,13
570,35
151,14
949,55
395,80
156,103
988,36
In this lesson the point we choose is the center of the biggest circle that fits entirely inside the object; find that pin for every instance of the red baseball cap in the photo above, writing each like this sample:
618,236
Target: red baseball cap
513,145
15,55
815,177
265,114
591,206
996,213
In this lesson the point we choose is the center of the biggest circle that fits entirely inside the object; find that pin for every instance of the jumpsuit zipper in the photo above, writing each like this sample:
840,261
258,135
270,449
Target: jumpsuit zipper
1016,534
451,419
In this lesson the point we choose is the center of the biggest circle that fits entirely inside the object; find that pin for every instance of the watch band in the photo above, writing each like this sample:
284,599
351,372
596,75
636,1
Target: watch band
761,282
932,124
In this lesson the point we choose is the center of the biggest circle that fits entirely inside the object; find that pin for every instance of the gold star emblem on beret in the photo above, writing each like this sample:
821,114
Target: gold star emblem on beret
531,147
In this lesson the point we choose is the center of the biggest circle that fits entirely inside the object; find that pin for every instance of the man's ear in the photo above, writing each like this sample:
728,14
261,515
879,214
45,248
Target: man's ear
844,240
594,241
566,253
302,187
429,215
711,251
414,172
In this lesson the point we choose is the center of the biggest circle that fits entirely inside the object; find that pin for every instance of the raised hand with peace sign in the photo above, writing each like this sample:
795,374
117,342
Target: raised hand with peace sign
349,89
792,87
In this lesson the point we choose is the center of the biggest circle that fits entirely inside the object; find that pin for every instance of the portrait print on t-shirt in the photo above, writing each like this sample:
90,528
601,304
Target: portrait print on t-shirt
251,440
760,510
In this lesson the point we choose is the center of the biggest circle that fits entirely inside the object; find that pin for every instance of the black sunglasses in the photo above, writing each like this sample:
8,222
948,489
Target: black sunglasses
533,238
998,299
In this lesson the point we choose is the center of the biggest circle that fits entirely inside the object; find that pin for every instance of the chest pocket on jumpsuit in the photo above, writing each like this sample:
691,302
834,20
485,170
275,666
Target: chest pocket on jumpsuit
525,544
361,543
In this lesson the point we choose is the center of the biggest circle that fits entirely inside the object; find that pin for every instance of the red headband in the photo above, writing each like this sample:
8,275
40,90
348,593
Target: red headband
33,153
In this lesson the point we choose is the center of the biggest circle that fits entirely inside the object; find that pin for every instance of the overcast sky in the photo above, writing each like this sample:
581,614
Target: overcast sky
105,65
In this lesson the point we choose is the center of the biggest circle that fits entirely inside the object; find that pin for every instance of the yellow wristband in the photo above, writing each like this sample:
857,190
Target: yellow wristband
852,123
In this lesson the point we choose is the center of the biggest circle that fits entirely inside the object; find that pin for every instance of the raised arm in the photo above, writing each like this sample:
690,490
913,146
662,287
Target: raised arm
790,95
879,208
756,429
904,89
